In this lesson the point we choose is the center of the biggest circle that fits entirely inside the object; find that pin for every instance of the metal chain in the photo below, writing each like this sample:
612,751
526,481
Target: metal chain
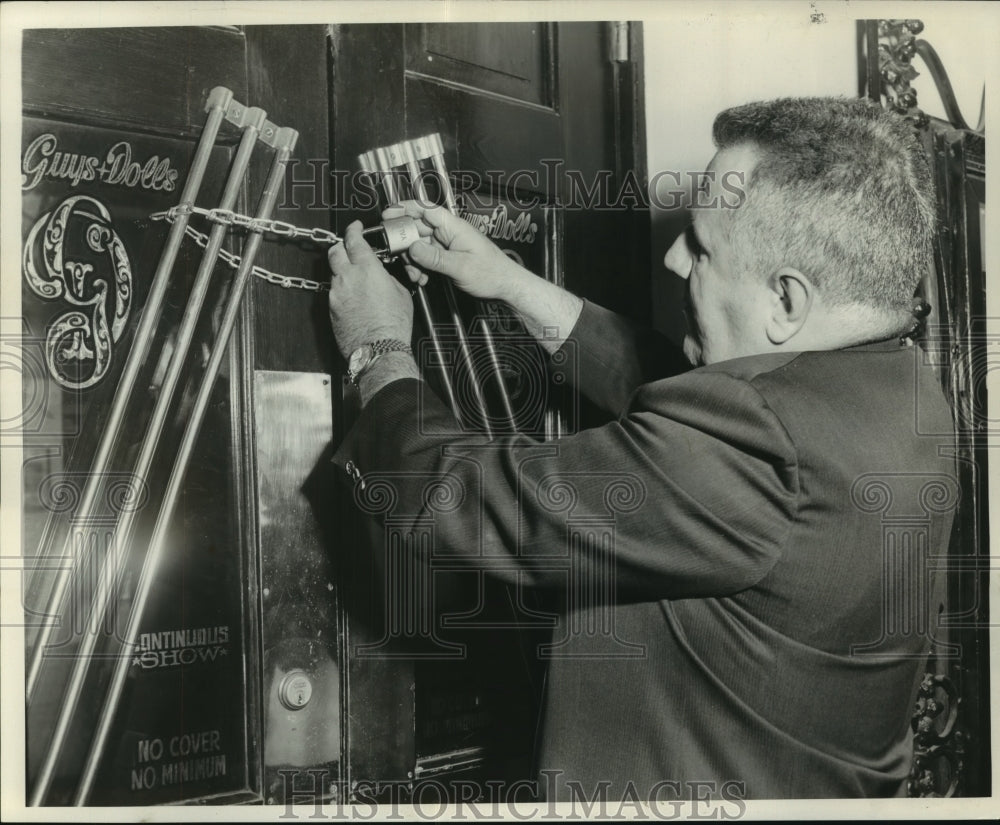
229,218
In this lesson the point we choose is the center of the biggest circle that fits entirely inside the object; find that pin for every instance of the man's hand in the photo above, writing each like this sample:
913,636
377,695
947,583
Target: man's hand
452,247
366,302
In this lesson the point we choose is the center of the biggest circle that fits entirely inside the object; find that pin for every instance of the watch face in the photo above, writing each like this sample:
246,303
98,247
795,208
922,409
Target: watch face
359,358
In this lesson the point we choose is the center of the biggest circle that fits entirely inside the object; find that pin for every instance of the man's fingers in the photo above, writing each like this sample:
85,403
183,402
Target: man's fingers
431,256
338,258
354,243
409,207
431,220
439,218
419,277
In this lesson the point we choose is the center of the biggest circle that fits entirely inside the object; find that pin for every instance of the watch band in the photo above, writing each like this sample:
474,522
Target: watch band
380,347
385,345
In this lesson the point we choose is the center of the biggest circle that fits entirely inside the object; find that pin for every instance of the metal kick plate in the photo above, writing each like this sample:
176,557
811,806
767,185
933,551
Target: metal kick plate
301,677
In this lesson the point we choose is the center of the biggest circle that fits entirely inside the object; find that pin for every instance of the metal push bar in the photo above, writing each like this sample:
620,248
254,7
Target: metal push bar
255,127
218,102
284,145
376,164
387,164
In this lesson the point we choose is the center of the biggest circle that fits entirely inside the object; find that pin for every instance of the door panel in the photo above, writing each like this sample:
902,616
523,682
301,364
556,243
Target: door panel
150,79
107,142
477,128
288,69
510,59
114,117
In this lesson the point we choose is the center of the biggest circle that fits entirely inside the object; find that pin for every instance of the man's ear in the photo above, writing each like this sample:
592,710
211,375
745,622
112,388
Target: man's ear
792,296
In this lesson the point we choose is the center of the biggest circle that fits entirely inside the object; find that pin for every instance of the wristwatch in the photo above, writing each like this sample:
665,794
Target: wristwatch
363,357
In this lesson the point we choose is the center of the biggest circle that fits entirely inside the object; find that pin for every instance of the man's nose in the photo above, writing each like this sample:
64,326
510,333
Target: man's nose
678,258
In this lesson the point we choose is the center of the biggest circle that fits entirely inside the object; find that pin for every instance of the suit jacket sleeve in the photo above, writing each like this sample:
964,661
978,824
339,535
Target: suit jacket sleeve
696,486
608,356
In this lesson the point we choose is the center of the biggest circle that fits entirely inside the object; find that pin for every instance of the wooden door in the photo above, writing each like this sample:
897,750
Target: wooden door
111,121
540,124
112,117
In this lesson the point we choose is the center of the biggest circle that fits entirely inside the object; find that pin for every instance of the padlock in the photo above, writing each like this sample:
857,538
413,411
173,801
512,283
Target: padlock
392,237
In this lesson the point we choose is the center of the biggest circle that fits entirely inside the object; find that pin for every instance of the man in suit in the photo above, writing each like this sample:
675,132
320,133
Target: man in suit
757,649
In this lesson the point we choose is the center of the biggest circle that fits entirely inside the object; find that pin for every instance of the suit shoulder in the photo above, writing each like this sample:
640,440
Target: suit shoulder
750,367
883,382
881,371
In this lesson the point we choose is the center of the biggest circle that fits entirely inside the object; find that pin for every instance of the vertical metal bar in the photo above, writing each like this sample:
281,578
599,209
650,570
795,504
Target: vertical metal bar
508,410
115,557
414,172
417,184
438,349
285,144
437,159
553,263
375,163
869,76
383,164
218,101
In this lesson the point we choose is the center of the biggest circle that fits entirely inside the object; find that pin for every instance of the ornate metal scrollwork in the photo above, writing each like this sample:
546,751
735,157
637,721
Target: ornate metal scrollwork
896,49
951,754
898,44
938,744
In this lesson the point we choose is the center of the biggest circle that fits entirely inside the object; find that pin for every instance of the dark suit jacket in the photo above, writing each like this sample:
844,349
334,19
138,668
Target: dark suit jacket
744,550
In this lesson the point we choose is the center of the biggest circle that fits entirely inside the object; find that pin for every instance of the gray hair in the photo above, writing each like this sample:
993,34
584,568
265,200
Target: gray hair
842,191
